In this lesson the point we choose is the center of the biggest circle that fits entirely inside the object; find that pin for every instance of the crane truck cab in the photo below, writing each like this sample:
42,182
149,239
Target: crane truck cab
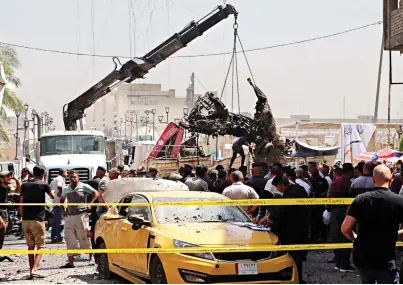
83,151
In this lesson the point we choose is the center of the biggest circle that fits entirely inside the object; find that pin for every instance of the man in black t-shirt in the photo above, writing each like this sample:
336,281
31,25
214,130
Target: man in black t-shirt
378,214
33,217
94,183
319,189
290,223
221,182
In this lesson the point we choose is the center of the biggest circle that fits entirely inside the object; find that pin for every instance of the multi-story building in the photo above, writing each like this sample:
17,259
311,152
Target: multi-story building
116,113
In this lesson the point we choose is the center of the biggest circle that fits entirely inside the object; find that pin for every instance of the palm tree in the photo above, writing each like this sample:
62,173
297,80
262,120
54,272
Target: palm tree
9,58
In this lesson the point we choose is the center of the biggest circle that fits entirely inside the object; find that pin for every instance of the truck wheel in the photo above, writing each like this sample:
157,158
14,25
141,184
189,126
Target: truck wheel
157,273
103,263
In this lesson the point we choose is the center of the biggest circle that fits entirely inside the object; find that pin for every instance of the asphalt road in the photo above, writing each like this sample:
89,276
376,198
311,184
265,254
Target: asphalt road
316,269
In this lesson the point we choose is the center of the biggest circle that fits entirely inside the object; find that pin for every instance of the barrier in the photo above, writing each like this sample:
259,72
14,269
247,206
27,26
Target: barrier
188,249
269,202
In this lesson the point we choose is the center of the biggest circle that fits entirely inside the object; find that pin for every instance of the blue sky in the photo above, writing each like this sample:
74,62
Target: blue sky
310,78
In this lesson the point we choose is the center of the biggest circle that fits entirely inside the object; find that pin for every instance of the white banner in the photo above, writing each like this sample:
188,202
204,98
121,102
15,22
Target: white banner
3,83
354,139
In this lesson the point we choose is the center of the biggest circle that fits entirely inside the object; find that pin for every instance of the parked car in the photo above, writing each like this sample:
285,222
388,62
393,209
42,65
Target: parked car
181,227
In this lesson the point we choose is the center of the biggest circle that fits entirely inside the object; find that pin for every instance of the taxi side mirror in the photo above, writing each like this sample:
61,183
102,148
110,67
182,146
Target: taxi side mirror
138,222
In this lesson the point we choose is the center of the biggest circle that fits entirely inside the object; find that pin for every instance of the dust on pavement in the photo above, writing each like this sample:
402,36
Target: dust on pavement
316,268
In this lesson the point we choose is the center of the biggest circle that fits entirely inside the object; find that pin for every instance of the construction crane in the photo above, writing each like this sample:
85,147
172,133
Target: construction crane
139,67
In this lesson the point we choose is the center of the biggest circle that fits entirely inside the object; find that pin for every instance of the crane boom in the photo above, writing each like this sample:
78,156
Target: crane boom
138,67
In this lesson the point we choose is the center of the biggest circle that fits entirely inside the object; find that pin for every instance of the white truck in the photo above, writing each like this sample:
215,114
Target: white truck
83,151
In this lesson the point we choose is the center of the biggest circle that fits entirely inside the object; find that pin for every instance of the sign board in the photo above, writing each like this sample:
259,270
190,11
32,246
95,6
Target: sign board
393,25
354,139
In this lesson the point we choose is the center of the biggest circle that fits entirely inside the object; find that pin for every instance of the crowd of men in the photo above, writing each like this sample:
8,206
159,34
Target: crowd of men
71,225
372,221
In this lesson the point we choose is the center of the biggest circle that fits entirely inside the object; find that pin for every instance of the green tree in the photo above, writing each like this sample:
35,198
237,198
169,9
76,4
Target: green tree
9,58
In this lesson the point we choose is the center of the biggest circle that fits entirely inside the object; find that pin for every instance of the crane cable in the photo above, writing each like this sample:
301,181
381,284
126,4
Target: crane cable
233,65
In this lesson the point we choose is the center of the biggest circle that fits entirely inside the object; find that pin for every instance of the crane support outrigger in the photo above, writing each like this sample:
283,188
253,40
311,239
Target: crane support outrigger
138,67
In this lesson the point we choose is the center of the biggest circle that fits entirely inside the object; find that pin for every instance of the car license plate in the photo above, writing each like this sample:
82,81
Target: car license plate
246,268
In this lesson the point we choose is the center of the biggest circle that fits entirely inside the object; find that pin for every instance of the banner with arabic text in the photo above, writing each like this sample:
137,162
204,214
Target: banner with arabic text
354,139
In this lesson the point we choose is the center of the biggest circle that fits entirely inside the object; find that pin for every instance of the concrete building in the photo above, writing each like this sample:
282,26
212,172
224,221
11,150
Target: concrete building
122,104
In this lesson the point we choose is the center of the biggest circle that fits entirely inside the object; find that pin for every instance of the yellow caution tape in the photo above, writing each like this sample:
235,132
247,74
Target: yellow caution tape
187,249
270,202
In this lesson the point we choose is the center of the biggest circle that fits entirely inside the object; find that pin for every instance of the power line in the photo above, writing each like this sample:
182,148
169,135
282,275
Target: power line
200,55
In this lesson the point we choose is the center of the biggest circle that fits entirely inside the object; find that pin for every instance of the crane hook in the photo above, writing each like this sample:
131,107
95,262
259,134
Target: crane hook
117,59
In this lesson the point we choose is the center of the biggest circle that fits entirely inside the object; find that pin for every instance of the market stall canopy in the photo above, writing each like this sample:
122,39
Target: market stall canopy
306,150
367,156
386,153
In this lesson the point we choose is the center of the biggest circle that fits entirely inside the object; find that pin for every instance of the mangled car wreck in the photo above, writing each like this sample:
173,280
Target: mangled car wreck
211,117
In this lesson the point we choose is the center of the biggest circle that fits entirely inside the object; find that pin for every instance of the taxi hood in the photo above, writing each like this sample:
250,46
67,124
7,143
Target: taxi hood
218,234
119,188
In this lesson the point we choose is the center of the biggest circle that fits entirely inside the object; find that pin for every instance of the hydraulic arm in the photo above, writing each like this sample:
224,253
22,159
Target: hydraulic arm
138,67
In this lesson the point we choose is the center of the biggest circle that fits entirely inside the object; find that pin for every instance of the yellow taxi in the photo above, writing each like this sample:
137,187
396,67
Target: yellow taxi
185,226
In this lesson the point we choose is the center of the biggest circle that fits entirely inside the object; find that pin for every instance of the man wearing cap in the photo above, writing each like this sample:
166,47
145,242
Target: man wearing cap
76,221
5,180
33,217
113,174
57,185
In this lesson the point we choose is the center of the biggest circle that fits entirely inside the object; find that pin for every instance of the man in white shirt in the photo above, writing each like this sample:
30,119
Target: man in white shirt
240,191
325,172
276,170
57,185
298,180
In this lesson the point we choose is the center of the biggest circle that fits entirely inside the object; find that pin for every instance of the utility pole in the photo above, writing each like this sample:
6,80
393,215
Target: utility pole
378,86
390,87
192,86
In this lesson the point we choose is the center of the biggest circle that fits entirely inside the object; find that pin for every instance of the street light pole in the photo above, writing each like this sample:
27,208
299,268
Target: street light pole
26,121
33,125
131,128
42,121
160,117
153,111
141,121
125,125
46,120
137,129
120,127
146,119
17,115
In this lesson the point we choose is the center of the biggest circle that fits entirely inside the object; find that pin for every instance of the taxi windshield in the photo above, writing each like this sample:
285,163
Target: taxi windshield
196,214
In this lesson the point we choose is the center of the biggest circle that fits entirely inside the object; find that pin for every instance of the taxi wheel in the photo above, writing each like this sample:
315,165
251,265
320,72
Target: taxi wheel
103,263
157,273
